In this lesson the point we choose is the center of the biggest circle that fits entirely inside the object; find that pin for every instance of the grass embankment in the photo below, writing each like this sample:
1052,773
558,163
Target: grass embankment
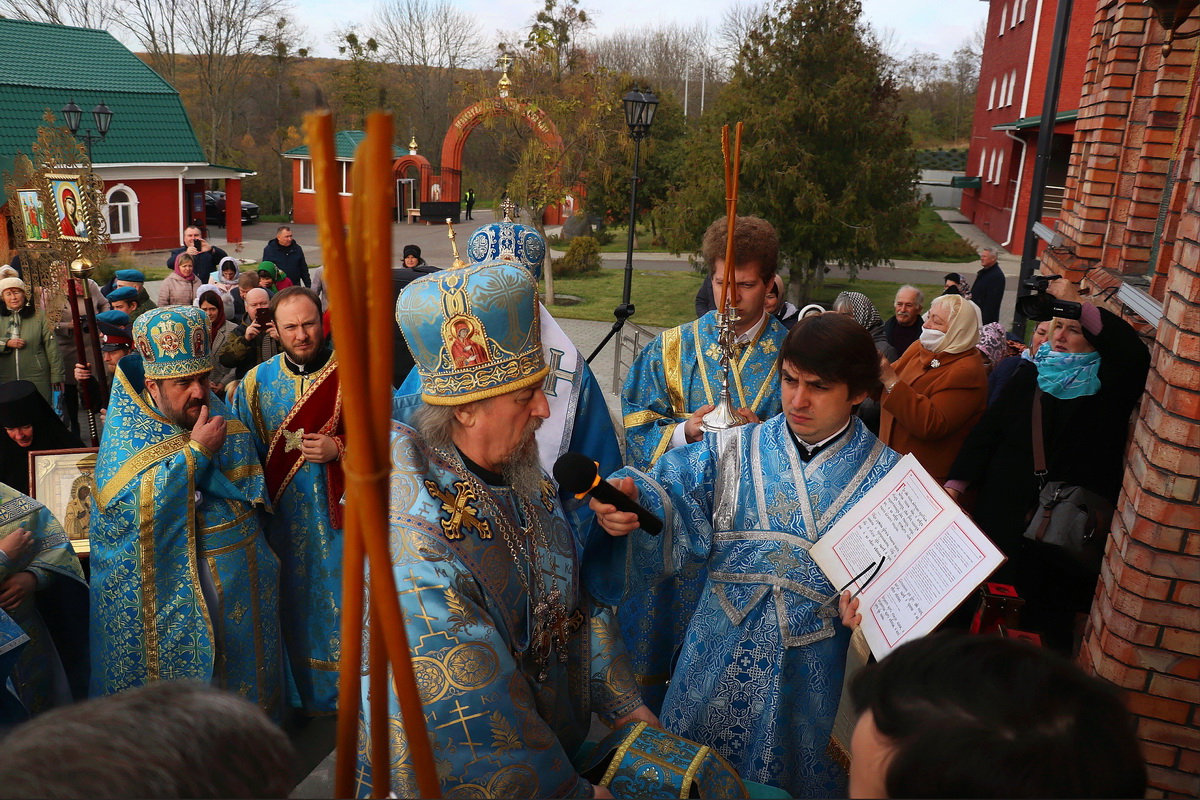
666,299
934,240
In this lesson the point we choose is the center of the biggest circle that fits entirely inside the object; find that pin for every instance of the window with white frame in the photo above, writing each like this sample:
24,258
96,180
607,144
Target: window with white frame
1003,91
999,168
1024,5
306,174
346,166
120,210
992,96
1012,85
1003,19
1012,20
982,161
992,168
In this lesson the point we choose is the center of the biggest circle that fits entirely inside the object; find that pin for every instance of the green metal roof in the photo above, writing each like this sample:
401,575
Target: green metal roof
346,142
44,66
1025,123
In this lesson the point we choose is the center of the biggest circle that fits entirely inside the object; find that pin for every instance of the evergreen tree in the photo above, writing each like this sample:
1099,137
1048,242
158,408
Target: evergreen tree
825,153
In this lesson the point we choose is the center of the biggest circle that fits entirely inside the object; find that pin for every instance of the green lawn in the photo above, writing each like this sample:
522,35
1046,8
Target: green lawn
934,240
666,299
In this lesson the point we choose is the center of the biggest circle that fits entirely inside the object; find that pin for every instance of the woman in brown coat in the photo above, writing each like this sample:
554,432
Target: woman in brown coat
937,390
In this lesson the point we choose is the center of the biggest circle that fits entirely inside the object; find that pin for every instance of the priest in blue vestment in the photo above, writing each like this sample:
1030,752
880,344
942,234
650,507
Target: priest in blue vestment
674,382
759,672
292,405
511,654
183,583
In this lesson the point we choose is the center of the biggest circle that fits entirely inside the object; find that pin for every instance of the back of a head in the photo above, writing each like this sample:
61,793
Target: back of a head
836,348
989,717
168,740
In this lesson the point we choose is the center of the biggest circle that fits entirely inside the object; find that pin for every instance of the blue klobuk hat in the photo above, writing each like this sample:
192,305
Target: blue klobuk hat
473,332
173,341
509,241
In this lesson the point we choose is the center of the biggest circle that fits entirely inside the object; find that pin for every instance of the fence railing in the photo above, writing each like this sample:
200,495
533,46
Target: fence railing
630,341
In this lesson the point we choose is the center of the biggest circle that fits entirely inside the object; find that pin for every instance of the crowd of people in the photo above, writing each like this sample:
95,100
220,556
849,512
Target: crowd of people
219,500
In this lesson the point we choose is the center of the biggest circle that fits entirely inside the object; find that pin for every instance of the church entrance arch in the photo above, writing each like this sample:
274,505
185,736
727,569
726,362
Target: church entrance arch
456,138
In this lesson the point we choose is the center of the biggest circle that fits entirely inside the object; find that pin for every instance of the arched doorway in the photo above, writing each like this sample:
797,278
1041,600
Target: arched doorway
470,117
411,191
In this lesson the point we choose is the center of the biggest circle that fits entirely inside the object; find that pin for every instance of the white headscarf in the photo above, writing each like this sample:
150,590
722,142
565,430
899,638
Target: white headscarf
962,331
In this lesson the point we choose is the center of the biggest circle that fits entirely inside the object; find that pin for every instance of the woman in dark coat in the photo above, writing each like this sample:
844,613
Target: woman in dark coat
1086,403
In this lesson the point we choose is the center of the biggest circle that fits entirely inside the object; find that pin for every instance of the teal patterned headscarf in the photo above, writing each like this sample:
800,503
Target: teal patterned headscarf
1067,375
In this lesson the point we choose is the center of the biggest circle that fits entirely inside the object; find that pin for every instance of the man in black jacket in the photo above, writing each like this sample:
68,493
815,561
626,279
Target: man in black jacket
402,360
285,253
205,256
904,327
988,291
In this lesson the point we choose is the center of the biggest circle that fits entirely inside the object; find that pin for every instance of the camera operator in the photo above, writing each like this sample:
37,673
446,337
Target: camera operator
204,255
1088,379
252,342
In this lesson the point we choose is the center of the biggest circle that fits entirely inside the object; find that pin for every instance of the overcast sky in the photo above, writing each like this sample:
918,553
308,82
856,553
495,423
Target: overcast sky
938,26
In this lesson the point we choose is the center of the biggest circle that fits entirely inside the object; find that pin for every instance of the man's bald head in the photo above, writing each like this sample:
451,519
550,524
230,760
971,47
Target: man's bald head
255,299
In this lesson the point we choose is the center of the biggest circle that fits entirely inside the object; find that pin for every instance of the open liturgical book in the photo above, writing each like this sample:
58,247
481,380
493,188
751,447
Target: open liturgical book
914,553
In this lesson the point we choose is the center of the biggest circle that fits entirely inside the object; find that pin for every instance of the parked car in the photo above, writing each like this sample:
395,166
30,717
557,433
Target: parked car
214,209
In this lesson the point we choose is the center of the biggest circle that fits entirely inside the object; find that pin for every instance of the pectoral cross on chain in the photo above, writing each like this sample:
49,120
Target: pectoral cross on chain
463,515
550,620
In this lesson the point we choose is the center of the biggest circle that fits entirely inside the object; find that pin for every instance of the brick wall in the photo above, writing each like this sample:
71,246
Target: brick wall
1144,631
1139,112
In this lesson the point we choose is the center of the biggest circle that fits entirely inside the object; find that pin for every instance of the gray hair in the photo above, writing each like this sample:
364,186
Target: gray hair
282,228
909,286
436,425
991,250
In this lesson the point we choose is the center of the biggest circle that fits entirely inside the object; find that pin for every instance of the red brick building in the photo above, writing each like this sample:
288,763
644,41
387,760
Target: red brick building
1008,107
1131,222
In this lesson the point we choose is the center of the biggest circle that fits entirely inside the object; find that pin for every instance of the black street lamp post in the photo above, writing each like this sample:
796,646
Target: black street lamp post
102,115
639,116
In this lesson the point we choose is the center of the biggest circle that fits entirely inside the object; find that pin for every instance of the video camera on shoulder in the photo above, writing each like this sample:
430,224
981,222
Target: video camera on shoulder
1039,305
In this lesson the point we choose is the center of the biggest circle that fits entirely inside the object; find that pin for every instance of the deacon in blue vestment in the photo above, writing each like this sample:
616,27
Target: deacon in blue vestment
511,655
759,673
183,583
292,405
675,381
579,421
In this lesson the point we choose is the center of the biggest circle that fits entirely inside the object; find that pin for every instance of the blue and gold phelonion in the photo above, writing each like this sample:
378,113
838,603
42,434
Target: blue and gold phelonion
473,332
173,341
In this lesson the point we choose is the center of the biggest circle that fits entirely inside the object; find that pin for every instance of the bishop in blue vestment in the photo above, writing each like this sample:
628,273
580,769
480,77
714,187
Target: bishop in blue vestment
511,655
759,672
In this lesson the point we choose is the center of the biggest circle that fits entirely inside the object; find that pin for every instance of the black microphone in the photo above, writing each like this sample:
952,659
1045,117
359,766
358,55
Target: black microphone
579,475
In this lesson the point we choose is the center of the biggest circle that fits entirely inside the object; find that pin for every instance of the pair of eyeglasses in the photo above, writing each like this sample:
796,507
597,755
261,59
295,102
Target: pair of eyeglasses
877,566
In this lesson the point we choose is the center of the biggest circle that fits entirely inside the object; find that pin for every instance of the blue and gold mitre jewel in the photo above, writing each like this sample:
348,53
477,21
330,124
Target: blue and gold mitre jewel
636,760
473,332
509,241
173,341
